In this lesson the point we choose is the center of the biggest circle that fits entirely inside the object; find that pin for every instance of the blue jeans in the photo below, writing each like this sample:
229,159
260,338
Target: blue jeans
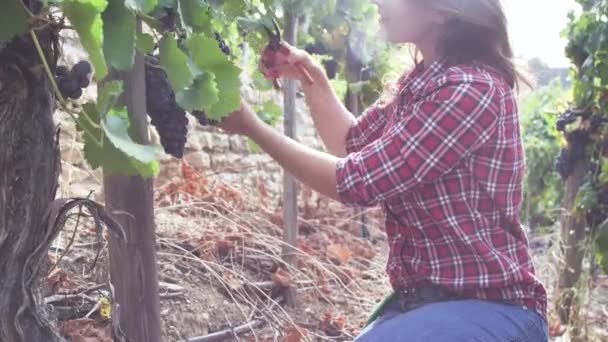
457,321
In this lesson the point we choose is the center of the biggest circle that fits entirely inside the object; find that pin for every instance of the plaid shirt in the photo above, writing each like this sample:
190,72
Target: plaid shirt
446,161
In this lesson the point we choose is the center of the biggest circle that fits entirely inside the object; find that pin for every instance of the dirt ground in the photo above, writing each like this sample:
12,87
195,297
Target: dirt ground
220,269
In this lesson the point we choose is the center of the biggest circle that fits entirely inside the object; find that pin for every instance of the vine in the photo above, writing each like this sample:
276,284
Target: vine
585,125
182,37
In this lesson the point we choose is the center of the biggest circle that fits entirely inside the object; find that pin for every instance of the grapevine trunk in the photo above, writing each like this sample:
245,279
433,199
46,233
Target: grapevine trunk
29,170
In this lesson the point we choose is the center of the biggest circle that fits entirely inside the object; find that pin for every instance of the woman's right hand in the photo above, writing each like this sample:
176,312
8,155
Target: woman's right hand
288,63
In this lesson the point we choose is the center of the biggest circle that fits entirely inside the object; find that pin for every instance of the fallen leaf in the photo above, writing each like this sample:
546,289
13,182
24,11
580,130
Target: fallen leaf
338,253
62,282
224,248
281,278
86,330
557,329
295,334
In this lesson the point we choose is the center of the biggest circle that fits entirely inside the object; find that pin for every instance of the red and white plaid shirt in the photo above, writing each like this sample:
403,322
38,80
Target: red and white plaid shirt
446,158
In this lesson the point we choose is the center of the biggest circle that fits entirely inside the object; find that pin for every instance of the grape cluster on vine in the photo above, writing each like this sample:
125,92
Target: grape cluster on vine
222,43
578,140
166,115
71,82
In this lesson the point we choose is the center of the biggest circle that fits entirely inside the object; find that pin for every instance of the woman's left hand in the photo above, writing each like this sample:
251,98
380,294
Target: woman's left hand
243,121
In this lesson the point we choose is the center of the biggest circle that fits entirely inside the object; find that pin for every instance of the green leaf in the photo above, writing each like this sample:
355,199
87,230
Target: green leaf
207,55
144,43
586,199
116,126
175,63
251,25
167,3
196,15
107,95
202,94
85,16
13,20
270,112
601,244
100,152
141,6
119,36
604,175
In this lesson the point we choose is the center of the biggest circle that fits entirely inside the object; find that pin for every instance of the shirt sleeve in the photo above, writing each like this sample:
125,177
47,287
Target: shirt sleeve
444,127
368,127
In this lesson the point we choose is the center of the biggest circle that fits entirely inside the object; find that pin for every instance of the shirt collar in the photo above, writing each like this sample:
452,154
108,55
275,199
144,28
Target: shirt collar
420,76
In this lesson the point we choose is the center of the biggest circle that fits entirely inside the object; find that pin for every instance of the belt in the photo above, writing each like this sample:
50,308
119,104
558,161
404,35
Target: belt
413,297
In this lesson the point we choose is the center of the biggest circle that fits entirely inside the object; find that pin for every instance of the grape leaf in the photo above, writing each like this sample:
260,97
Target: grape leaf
119,35
144,43
100,152
604,175
13,20
206,52
107,94
175,63
167,3
115,126
202,94
140,6
207,55
227,79
270,112
85,16
196,15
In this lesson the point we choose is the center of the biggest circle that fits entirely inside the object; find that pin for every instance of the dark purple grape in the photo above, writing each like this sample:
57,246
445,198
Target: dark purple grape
331,68
563,163
168,20
82,71
316,48
202,118
596,123
169,119
222,44
69,88
61,70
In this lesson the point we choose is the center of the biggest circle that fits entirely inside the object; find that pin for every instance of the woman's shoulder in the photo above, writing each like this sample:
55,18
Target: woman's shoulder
469,73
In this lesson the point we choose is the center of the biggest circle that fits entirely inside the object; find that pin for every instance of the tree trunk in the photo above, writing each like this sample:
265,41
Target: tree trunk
574,238
29,171
133,267
290,197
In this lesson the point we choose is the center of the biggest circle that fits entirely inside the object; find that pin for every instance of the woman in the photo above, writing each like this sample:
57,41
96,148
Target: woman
444,157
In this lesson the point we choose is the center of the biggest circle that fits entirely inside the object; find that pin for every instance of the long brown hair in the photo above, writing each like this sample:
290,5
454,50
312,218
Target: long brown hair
475,30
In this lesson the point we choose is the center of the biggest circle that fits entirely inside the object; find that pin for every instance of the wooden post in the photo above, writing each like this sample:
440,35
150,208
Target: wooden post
574,242
290,194
133,267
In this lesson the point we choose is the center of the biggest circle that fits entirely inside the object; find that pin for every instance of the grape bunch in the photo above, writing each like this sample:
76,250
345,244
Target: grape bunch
566,118
563,165
166,115
168,20
222,43
71,82
331,68
317,48
577,143
202,118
